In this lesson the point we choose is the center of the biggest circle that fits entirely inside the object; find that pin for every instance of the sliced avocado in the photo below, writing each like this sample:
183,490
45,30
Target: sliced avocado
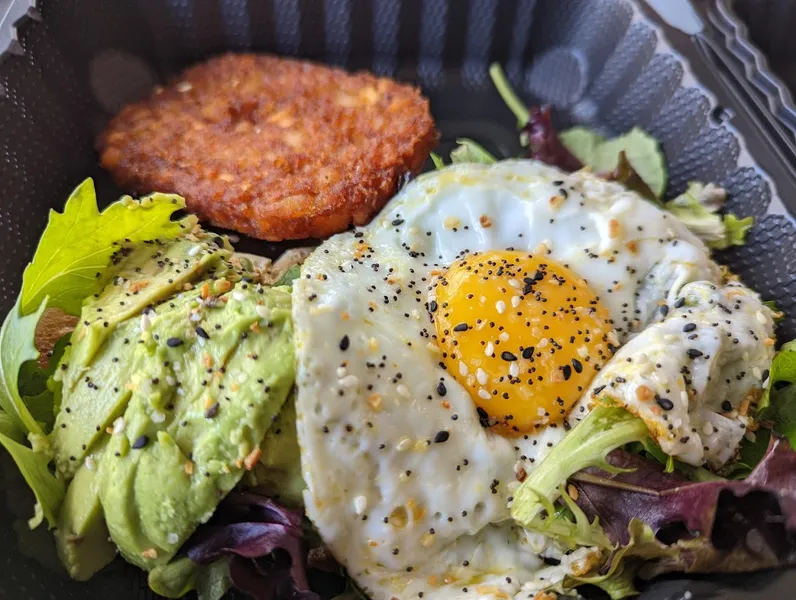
104,353
200,406
82,536
279,473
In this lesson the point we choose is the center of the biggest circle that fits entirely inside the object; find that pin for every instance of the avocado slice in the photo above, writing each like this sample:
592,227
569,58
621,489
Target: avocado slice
200,405
104,353
82,537
279,473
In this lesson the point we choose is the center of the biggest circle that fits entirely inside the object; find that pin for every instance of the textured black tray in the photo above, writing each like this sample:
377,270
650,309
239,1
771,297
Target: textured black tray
69,64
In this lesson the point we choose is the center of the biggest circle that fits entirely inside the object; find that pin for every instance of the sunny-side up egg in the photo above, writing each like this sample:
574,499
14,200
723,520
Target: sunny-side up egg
441,350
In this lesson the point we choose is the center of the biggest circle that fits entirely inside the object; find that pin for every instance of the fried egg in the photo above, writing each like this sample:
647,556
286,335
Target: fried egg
447,346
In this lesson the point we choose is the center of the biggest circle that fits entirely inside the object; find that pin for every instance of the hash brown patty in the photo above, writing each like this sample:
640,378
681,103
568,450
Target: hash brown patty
271,147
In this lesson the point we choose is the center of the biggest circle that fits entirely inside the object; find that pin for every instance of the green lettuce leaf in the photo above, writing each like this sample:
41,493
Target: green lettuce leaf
49,490
641,150
604,429
437,160
289,276
77,244
17,347
582,142
698,207
735,231
213,580
9,428
568,524
625,174
778,404
468,151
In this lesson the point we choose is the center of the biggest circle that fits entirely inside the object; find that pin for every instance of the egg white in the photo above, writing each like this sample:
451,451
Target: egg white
369,400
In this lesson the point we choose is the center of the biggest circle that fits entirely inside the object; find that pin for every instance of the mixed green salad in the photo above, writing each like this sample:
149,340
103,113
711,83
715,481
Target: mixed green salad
146,399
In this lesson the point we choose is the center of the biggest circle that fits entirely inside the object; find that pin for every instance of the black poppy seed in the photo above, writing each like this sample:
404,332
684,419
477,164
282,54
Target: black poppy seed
441,389
173,342
665,403
140,442
726,406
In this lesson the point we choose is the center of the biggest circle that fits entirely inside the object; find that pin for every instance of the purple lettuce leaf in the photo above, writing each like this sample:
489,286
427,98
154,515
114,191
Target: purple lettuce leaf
714,526
265,542
544,143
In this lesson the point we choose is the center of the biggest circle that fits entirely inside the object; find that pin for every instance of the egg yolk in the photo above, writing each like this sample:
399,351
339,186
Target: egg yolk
522,333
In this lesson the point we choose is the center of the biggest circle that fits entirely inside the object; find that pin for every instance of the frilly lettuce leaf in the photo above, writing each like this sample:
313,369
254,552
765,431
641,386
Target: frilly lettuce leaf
34,466
544,143
289,276
246,529
625,174
437,160
778,404
77,244
16,348
9,428
697,208
469,151
602,430
640,148
583,143
735,231
715,526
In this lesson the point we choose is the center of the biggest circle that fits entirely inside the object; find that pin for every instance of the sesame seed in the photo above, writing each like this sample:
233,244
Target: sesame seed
441,389
140,442
441,437
403,445
202,333
173,342
507,356
360,504
694,353
500,306
688,327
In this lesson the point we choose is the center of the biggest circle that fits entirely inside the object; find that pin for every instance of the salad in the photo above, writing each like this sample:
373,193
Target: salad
343,422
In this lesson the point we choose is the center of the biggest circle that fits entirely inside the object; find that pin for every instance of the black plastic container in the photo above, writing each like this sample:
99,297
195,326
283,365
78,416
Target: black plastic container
68,65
